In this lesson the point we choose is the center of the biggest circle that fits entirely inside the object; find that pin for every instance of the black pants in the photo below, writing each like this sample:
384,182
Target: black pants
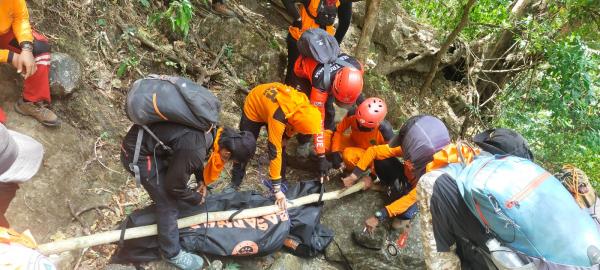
239,169
391,173
7,193
152,174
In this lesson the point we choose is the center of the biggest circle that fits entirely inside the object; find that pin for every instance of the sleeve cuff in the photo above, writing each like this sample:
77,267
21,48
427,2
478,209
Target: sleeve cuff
358,171
10,56
384,214
25,42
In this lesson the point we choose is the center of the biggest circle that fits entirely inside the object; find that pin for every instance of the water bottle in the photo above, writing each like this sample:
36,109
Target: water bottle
594,254
506,256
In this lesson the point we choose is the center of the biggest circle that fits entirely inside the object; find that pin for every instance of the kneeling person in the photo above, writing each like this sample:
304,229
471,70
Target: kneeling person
165,174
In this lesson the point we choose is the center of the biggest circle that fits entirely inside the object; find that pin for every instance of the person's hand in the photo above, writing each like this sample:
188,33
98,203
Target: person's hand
371,223
24,63
368,182
324,167
297,23
336,160
349,180
280,200
203,192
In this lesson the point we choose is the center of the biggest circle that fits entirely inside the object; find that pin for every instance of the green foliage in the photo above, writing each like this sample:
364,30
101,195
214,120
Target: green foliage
145,3
232,266
557,108
178,16
126,65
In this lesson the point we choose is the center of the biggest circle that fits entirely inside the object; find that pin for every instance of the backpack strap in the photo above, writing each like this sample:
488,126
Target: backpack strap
133,166
164,146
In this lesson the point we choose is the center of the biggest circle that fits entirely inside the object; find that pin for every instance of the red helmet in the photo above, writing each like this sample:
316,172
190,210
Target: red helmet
371,112
347,85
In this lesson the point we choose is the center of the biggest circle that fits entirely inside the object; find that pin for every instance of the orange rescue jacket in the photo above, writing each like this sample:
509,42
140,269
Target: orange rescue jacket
285,111
360,138
14,17
307,14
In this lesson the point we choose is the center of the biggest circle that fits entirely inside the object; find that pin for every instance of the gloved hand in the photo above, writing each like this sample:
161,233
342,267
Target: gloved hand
324,167
336,160
297,23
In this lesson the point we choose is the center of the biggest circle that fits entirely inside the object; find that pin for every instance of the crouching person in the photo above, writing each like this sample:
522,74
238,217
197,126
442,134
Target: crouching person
284,111
165,174
416,143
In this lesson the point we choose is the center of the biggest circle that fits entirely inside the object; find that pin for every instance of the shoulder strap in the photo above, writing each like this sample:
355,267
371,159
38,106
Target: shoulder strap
327,75
164,146
133,166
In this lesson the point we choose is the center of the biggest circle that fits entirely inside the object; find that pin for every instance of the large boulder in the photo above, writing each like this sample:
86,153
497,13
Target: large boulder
347,215
65,75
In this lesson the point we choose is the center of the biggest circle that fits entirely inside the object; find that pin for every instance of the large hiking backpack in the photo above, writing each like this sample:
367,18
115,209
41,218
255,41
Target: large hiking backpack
528,210
316,43
160,98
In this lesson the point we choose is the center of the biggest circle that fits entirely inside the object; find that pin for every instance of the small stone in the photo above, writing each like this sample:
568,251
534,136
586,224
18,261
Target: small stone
65,74
215,265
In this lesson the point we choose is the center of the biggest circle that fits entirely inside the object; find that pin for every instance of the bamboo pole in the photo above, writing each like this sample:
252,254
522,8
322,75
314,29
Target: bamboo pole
138,232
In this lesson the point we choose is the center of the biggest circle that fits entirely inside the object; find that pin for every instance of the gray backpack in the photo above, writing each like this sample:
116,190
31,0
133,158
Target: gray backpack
162,98
324,48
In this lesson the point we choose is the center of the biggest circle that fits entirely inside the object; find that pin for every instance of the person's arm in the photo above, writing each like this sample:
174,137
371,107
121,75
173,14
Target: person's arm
400,206
344,19
378,152
292,10
183,163
21,26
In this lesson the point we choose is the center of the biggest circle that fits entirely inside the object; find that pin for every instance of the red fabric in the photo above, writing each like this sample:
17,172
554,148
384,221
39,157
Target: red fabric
2,116
36,87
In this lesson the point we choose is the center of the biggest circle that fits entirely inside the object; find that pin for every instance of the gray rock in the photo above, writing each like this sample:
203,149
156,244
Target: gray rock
215,265
347,215
65,75
117,267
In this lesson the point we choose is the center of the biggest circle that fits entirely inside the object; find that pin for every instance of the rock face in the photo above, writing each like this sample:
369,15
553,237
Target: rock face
65,75
256,57
348,214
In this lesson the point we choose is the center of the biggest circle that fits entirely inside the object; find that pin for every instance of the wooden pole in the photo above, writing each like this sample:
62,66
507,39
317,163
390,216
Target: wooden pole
138,232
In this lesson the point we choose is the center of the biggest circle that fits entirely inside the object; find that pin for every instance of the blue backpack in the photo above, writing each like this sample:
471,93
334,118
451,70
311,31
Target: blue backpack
527,209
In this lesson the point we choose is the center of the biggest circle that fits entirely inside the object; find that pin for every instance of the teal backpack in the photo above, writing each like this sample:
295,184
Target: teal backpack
528,210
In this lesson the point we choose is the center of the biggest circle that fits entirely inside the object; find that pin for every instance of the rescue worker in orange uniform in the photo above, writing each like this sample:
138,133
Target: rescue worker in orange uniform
368,127
314,14
401,177
345,90
28,52
285,112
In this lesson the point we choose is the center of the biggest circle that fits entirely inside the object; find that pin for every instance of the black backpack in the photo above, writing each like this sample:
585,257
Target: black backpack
162,98
316,43
326,12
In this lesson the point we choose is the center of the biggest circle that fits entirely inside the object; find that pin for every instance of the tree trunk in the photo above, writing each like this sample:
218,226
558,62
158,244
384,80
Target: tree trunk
449,40
362,49
493,82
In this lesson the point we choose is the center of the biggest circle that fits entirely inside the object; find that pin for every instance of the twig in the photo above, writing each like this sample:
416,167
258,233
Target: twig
80,258
506,70
97,207
97,159
221,52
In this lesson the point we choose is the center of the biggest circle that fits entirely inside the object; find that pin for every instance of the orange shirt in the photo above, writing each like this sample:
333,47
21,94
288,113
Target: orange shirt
360,138
273,104
307,20
14,17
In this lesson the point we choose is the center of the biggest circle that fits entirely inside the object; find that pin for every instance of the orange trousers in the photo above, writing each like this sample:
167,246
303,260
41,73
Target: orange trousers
350,154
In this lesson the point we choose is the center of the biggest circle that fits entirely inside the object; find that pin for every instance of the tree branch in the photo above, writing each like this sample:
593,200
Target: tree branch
444,48
370,21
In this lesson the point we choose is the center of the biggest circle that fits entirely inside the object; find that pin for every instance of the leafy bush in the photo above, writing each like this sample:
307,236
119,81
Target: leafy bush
178,16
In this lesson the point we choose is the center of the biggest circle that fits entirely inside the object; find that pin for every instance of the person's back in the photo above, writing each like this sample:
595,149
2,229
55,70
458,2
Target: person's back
171,134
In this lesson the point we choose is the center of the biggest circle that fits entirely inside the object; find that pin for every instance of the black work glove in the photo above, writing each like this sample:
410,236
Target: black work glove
336,160
324,166
297,23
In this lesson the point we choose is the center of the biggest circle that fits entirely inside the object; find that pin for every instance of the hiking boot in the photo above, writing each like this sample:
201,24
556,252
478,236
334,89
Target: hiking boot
39,111
223,10
187,261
